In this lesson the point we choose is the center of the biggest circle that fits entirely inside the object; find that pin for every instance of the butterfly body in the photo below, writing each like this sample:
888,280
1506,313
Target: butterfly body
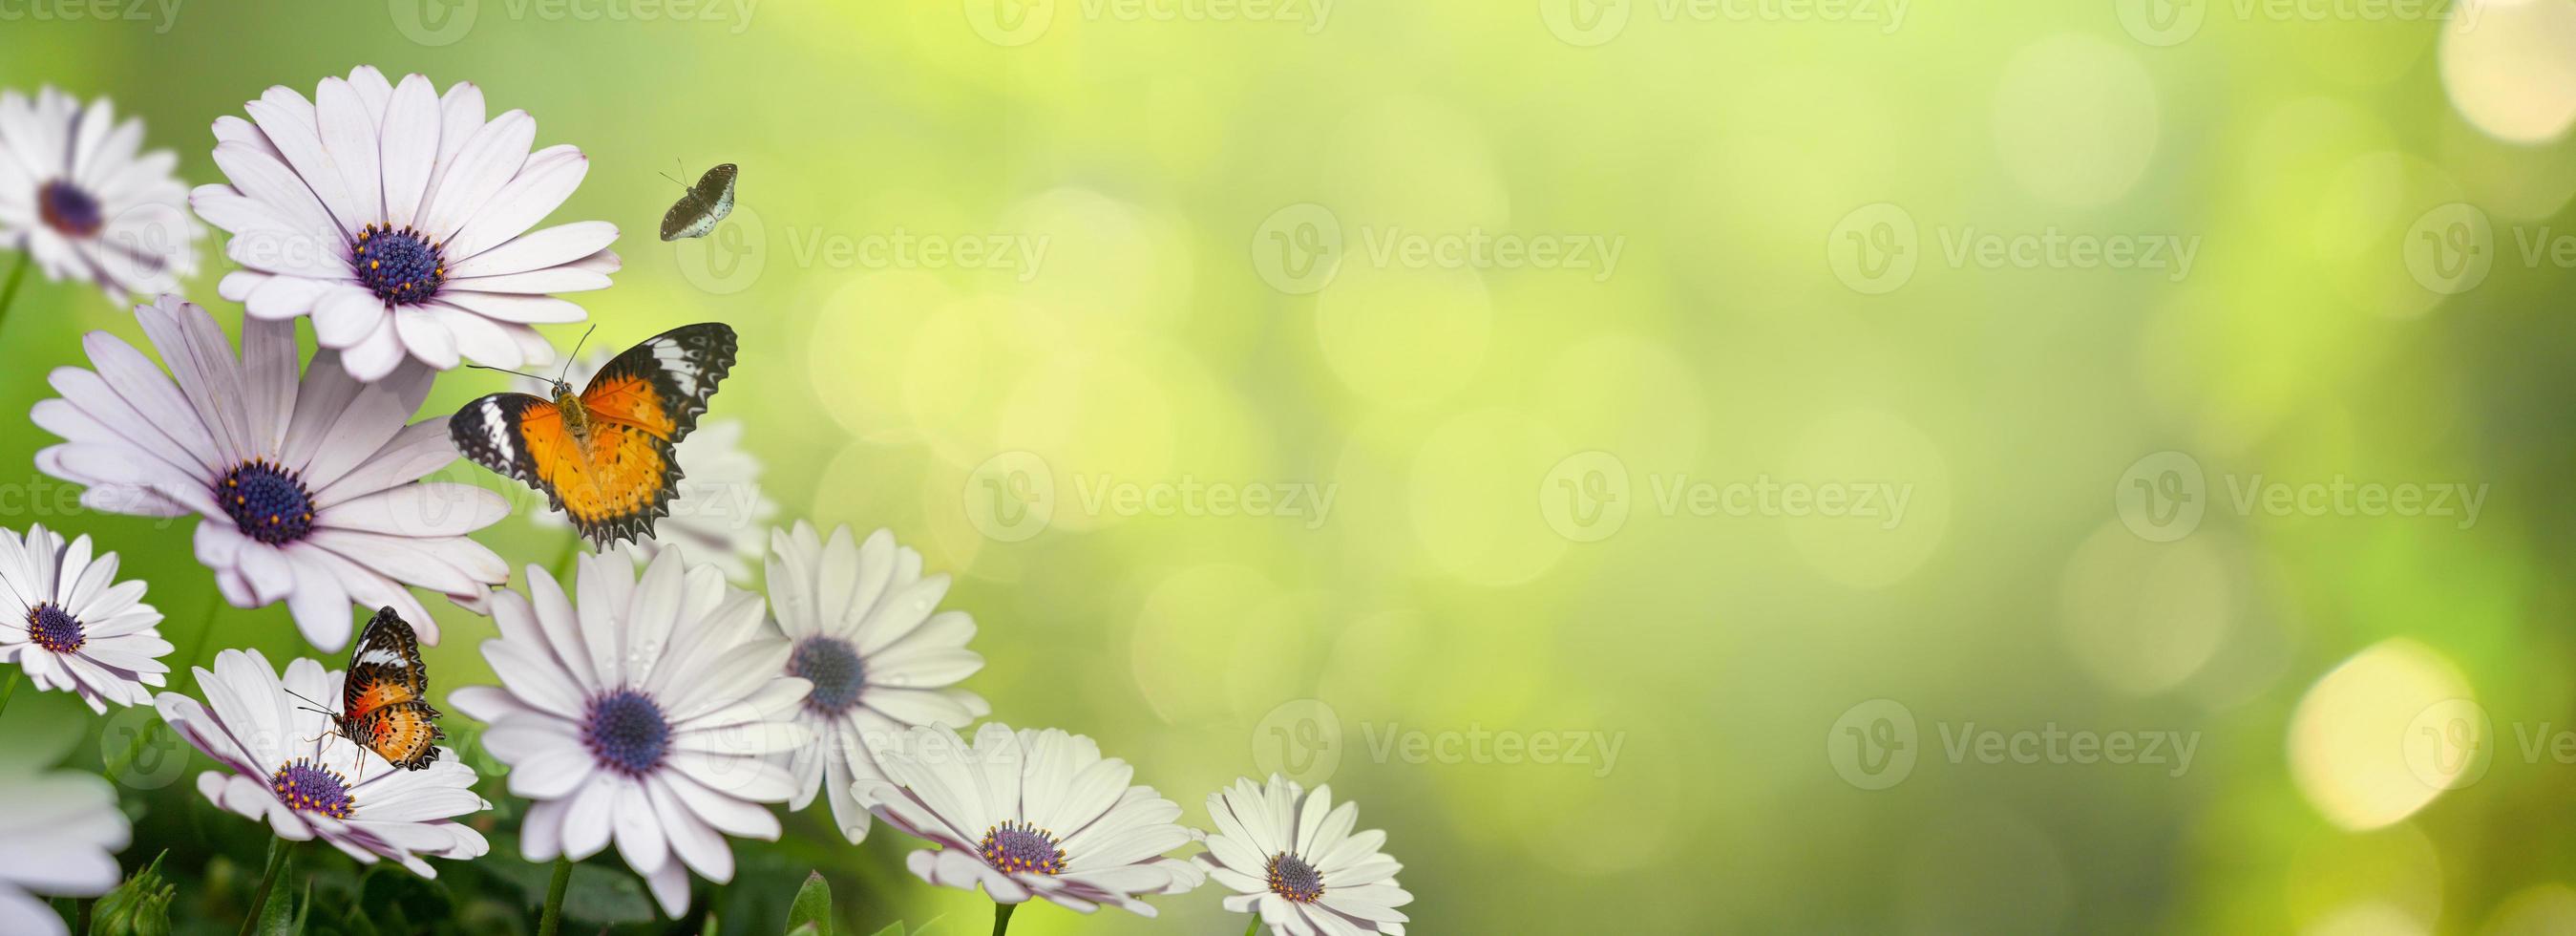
383,700
704,204
605,456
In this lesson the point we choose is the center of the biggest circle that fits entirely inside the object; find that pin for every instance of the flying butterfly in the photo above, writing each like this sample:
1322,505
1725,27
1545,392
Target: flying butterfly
704,204
384,698
605,456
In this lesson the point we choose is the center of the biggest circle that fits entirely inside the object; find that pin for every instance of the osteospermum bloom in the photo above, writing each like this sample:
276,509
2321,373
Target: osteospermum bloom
309,489
1030,814
1294,859
881,662
78,194
719,514
69,624
398,218
61,833
283,763
646,716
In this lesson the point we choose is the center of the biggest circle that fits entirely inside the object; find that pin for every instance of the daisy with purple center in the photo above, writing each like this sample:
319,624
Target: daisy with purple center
79,195
648,716
399,218
70,625
1030,814
881,662
310,490
1293,860
284,764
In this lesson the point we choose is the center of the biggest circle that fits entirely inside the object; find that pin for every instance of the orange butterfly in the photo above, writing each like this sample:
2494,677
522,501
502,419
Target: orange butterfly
383,700
604,457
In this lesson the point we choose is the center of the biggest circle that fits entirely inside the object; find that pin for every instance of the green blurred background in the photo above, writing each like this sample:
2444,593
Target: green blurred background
1801,197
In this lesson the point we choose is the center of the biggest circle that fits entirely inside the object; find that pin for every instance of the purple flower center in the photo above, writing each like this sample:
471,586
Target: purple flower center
400,265
834,668
1293,878
313,788
1018,847
64,207
267,503
53,629
626,732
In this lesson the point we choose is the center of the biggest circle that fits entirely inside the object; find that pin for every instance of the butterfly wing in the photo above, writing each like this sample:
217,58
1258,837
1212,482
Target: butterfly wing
706,203
383,700
524,437
638,408
662,385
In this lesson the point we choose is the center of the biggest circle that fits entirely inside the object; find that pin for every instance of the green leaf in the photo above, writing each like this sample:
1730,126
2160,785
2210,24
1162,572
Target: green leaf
138,907
892,929
811,914
598,895
278,917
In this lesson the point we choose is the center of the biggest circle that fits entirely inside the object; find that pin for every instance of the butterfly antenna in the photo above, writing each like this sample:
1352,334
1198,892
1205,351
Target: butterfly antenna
308,702
506,370
576,352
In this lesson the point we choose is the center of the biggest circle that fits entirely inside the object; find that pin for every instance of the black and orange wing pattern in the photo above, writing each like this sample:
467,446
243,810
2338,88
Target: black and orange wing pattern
384,699
610,468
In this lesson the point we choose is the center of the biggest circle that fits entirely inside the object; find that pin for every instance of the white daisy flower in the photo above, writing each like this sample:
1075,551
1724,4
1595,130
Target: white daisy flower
398,218
78,194
1030,814
285,764
61,833
69,624
719,515
880,661
310,489
1294,859
647,716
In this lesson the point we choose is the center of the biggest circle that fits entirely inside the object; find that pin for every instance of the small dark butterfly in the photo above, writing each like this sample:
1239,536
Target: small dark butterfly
702,206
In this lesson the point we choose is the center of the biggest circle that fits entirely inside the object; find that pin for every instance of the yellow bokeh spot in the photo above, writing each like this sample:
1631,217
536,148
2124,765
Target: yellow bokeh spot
2348,737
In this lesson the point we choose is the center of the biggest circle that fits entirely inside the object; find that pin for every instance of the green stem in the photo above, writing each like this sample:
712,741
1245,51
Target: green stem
1256,923
1002,917
553,918
9,293
267,882
205,632
14,676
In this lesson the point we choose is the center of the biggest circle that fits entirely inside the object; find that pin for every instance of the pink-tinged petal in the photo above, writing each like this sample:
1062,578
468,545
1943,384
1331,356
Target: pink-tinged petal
420,510
541,186
371,420
418,451
428,341
478,339
541,832
670,887
373,90
638,830
694,841
349,135
487,162
554,771
409,148
728,814
539,249
318,200
146,393
375,356
460,114
404,560
345,315
535,282
115,468
282,298
532,680
587,825
520,309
